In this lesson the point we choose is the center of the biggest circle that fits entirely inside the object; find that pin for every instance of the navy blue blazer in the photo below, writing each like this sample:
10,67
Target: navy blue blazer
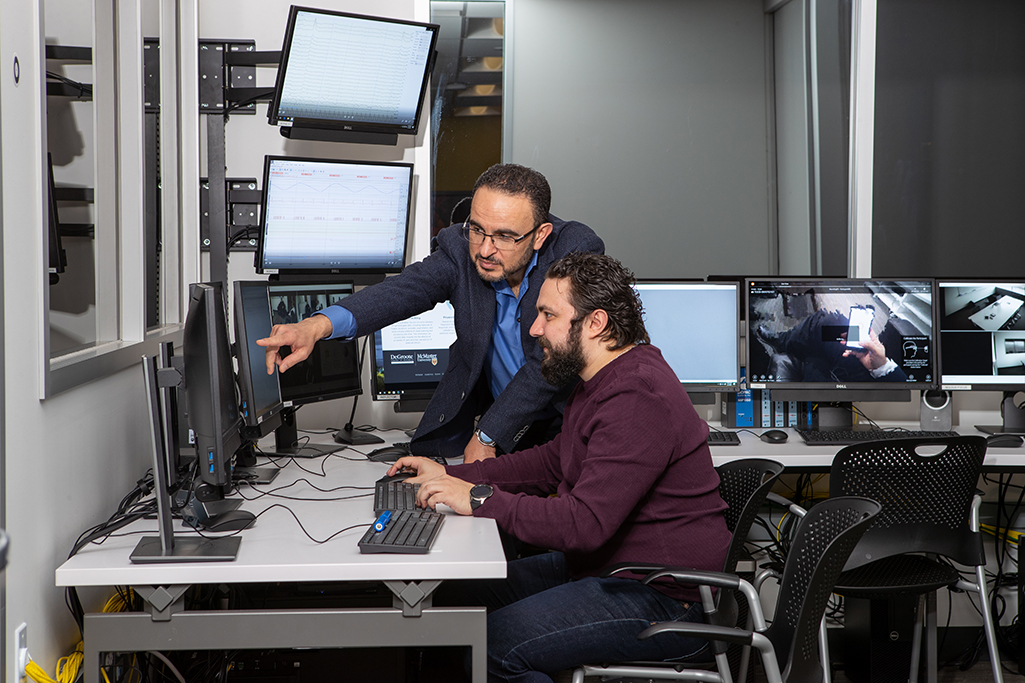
448,274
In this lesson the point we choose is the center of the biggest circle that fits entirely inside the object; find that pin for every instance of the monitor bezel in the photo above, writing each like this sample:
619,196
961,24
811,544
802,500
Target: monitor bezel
846,391
269,159
273,117
961,386
698,387
251,417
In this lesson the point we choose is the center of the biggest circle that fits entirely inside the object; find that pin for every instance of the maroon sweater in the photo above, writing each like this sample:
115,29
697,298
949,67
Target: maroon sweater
632,473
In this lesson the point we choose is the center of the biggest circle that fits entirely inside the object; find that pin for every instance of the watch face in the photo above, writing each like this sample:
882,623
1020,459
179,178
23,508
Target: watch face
481,491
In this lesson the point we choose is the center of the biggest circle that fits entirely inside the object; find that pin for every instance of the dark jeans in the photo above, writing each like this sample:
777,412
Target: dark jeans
540,622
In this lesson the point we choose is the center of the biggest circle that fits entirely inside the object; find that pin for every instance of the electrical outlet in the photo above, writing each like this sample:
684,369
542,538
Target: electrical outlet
21,649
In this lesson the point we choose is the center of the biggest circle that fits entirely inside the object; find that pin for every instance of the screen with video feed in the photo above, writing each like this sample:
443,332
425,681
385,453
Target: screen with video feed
696,326
841,334
982,335
332,370
412,354
352,71
321,215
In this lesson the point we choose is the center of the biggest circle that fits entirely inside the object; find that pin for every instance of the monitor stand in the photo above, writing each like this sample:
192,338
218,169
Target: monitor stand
1013,414
245,469
349,435
167,547
286,440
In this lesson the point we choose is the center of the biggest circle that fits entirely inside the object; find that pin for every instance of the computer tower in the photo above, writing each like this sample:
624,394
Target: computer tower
877,639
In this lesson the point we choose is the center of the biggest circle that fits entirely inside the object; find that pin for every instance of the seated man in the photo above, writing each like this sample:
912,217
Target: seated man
490,270
633,479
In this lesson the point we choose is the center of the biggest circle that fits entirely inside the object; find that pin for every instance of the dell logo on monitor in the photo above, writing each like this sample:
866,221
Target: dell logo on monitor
841,386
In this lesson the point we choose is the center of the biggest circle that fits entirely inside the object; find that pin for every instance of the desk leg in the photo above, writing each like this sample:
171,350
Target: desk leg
285,629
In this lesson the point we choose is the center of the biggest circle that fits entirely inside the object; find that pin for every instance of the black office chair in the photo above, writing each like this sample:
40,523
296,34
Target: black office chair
743,484
930,505
789,646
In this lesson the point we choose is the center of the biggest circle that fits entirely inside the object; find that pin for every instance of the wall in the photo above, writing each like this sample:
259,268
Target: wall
649,120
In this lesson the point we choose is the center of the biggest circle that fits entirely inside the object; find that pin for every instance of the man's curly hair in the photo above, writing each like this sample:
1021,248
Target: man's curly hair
601,282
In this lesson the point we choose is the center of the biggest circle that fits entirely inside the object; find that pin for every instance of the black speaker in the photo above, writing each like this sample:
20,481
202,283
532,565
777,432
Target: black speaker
937,412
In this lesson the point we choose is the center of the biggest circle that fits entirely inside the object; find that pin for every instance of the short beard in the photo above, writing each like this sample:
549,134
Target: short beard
498,277
564,365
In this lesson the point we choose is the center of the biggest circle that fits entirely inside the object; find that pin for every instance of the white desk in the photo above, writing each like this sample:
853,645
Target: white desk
994,316
795,454
276,550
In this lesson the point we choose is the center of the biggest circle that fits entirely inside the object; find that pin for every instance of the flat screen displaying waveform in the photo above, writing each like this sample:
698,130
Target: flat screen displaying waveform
354,69
334,215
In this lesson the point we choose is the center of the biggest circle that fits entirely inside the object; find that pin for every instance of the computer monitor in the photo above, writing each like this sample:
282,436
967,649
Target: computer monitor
342,218
350,77
823,340
261,394
211,399
331,371
982,342
411,356
696,326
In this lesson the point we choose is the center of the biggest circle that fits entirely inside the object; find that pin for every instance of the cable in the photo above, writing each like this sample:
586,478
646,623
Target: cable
167,662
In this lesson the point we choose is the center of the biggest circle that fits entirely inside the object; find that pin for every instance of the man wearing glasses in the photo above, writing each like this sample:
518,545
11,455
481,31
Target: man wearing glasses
490,269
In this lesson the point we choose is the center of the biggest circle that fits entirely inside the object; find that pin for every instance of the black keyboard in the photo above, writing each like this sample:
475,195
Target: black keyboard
723,438
394,496
846,437
408,531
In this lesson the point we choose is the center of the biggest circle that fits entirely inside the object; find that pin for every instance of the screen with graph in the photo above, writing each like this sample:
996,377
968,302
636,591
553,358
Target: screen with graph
322,215
352,71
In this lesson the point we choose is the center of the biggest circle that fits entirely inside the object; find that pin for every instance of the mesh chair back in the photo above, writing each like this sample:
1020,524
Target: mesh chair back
744,484
926,498
823,541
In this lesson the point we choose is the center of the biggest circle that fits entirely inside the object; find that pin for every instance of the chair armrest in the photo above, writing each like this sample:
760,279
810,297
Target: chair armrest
695,577
633,568
780,500
706,631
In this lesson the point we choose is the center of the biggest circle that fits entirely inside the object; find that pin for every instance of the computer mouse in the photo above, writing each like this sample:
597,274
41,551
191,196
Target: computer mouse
232,520
1004,440
398,476
774,436
387,454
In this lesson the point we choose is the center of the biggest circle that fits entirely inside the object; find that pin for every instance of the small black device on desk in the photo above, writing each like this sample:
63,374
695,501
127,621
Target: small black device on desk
1004,440
774,436
405,531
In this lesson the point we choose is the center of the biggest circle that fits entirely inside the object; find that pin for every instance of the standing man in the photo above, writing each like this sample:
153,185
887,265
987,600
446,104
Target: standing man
490,268
633,482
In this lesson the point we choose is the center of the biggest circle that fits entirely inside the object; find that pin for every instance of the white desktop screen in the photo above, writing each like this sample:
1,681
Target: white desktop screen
337,216
982,335
412,354
353,69
696,326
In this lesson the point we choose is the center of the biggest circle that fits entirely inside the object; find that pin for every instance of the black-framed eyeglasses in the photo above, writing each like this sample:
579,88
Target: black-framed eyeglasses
476,237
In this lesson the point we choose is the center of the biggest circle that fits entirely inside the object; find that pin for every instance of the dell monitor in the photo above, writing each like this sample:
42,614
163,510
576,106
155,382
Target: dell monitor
330,217
411,356
982,342
696,326
261,394
351,78
211,399
331,371
841,340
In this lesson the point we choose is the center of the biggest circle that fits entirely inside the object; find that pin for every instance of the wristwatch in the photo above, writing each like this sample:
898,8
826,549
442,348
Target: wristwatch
485,439
478,494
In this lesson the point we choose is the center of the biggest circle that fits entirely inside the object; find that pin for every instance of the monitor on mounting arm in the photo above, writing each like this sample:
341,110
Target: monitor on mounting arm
411,356
841,340
982,343
350,77
696,326
339,218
